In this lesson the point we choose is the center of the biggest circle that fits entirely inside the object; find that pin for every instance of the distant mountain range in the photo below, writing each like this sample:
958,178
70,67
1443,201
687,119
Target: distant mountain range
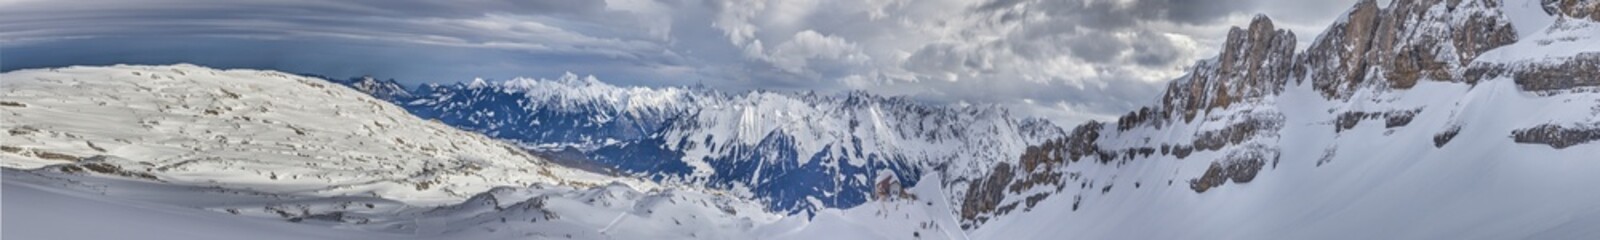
1426,61
796,151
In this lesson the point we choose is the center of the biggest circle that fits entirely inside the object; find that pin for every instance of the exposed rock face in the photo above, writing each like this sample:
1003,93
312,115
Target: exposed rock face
1082,141
1337,61
1391,47
1392,119
1558,136
1135,118
1441,41
1240,166
984,195
1411,39
1237,170
1372,47
1582,70
1237,133
1254,63
1439,140
1579,9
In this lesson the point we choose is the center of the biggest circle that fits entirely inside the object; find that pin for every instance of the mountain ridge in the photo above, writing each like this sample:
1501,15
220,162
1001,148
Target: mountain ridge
1362,68
827,150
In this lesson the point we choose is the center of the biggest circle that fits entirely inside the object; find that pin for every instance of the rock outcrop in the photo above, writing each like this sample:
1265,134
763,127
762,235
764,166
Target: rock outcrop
1578,9
1254,63
1582,70
1238,167
1370,48
1409,41
1337,61
1558,136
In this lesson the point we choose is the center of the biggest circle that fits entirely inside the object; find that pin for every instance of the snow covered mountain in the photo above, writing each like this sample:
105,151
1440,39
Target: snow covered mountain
796,151
1395,100
1423,119
182,151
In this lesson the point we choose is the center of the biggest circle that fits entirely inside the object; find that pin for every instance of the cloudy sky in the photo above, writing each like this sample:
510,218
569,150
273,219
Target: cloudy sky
1068,60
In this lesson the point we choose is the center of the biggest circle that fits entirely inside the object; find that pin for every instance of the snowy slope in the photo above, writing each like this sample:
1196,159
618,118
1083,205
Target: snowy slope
1498,146
43,210
1370,181
53,205
154,151
263,130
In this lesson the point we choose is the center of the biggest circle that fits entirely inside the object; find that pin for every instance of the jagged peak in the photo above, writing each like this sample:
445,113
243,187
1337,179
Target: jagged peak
477,83
1259,24
1261,21
572,78
1260,29
1254,62
1364,4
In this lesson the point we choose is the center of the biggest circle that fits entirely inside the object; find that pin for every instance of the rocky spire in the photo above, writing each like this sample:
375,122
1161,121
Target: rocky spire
1337,61
1254,62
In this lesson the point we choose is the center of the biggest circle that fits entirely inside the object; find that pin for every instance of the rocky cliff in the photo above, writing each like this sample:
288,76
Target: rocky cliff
1231,112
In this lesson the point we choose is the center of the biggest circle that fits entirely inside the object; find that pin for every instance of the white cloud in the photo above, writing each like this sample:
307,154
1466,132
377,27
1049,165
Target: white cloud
792,56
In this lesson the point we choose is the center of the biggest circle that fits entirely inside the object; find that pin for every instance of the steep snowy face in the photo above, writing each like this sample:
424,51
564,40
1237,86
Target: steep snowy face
265,130
1390,113
798,151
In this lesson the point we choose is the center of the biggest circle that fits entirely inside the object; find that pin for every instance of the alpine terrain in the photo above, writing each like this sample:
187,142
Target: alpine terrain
1406,119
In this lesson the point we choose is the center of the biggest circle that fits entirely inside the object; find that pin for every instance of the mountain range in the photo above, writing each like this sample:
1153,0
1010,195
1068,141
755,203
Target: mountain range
1419,119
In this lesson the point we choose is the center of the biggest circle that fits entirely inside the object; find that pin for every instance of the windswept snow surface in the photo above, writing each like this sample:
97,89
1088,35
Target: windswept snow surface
52,205
43,210
263,130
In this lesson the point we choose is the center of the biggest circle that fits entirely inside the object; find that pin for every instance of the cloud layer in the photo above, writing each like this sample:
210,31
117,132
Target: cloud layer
1069,60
